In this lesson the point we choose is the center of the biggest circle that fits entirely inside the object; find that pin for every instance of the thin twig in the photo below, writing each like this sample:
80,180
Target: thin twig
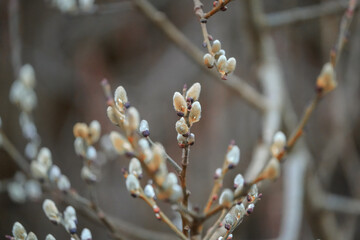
163,217
14,154
301,14
184,164
172,162
221,4
216,187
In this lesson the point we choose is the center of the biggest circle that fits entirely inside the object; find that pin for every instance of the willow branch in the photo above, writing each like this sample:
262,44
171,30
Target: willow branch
301,14
15,39
163,217
244,90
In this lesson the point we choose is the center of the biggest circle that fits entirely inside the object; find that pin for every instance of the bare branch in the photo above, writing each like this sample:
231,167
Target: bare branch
302,14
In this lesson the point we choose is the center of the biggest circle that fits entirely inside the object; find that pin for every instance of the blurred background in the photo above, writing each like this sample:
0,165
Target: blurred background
72,53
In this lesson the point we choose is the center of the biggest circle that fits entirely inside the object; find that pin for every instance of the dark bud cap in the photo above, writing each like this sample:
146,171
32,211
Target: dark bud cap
319,90
227,226
248,198
180,114
72,230
146,133
127,105
250,210
186,135
203,20
129,154
231,166
134,195
224,8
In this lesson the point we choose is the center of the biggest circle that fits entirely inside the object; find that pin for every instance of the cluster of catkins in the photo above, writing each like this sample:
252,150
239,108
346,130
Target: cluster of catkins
22,94
85,137
43,169
68,219
73,6
136,146
20,233
217,58
189,109
21,189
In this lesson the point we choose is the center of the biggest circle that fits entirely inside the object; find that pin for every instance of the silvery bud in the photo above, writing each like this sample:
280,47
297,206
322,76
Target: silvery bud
133,119
326,82
181,126
221,63
80,146
63,183
91,153
44,157
144,128
218,173
194,92
229,220
195,113
179,103
239,182
239,210
54,173
50,237
170,180
70,226
31,236
86,234
111,115
176,193
233,156
51,211
27,75
279,142
216,46
191,139
209,60
18,231
226,197
250,208
149,191
38,170
120,95
181,139
132,183
70,214
135,167
95,131
230,65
